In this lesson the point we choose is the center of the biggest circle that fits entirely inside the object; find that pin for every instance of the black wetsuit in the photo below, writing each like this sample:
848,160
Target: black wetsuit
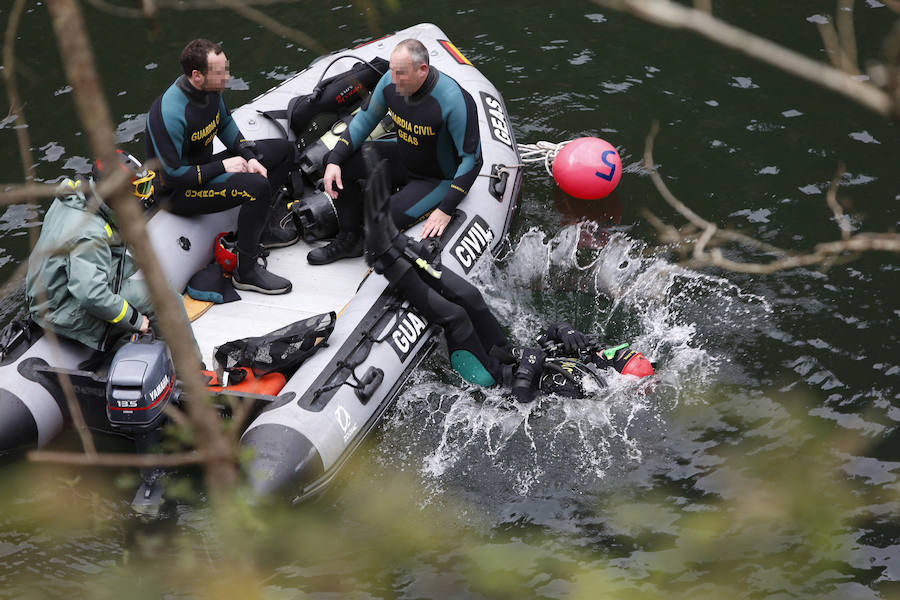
435,158
181,126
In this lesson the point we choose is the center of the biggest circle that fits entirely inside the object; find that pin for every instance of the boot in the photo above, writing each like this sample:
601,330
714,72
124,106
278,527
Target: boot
528,374
347,244
251,274
280,230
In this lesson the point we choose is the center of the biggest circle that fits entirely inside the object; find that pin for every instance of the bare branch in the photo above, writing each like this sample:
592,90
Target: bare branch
670,14
117,11
703,5
371,15
149,8
87,440
207,4
823,255
832,45
847,34
15,194
12,89
118,460
661,185
77,57
276,27
843,222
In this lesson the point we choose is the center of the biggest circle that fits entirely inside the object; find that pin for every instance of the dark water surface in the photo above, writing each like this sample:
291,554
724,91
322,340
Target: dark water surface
765,459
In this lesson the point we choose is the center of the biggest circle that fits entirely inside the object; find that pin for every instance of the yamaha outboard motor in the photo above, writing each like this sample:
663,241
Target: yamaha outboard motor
141,383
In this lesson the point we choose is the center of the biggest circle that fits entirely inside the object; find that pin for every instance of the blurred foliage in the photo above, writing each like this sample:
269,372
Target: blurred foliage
769,511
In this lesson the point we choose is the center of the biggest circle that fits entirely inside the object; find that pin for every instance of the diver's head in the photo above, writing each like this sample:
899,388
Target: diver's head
141,178
409,66
205,65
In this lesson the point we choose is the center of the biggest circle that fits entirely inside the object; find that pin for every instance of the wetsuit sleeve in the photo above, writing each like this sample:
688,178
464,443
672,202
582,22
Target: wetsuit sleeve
231,135
462,123
90,263
365,121
166,125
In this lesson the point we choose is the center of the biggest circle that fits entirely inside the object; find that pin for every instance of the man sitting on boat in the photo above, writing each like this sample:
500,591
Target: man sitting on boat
79,281
181,126
435,158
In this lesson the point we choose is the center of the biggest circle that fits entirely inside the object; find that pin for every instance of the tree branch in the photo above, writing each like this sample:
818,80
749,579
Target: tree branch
824,255
672,15
15,194
118,460
77,57
271,24
12,89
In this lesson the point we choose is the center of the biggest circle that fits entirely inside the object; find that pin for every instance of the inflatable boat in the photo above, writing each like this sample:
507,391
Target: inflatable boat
304,433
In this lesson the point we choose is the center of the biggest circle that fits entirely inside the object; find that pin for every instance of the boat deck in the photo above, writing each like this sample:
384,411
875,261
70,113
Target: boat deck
316,289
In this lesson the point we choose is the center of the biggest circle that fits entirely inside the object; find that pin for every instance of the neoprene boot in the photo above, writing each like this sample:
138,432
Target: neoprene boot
347,244
251,274
279,231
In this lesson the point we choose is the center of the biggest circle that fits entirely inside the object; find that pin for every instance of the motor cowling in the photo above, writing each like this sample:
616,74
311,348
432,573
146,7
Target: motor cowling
140,384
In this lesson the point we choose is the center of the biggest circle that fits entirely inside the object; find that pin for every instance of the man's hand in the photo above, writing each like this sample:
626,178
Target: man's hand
333,176
145,324
435,224
254,166
235,164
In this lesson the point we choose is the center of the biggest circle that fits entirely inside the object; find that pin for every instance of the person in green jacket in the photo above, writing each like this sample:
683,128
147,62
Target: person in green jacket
79,273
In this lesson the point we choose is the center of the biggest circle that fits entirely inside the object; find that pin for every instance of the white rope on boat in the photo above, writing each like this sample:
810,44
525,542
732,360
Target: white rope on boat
542,151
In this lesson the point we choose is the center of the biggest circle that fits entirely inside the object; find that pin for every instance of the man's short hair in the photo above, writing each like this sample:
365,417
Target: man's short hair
417,51
193,57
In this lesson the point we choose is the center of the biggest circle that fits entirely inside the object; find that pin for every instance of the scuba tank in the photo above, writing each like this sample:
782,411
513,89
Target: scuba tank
314,213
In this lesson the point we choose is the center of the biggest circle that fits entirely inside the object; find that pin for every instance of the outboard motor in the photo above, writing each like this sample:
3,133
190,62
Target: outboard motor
315,217
141,382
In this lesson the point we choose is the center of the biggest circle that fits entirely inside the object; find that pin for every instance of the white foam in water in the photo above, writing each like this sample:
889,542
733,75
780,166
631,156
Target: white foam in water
451,431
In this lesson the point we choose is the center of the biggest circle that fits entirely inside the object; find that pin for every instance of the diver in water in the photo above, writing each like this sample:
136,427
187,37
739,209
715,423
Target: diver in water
479,349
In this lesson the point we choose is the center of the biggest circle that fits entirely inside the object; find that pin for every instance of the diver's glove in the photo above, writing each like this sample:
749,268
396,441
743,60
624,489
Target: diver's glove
564,333
624,360
528,374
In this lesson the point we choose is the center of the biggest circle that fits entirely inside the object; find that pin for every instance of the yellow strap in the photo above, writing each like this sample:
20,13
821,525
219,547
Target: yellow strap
108,229
121,314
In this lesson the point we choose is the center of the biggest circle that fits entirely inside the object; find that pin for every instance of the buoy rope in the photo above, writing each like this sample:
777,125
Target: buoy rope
542,151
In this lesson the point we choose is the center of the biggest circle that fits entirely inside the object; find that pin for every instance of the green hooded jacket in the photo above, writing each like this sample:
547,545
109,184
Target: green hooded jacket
76,272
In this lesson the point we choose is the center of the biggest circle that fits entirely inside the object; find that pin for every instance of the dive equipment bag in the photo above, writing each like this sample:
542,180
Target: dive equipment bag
282,350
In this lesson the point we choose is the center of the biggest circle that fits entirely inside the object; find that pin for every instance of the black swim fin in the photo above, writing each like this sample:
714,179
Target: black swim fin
380,229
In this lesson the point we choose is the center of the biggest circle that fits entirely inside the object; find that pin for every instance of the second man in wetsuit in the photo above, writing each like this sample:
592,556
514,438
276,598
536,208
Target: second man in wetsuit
181,126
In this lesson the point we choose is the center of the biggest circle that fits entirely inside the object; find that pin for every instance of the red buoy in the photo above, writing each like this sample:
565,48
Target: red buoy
588,168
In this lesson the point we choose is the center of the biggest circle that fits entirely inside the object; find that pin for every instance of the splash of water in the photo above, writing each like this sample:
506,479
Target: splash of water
483,438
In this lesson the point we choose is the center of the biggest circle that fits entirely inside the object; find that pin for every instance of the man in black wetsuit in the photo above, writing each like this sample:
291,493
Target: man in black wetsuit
435,158
181,126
